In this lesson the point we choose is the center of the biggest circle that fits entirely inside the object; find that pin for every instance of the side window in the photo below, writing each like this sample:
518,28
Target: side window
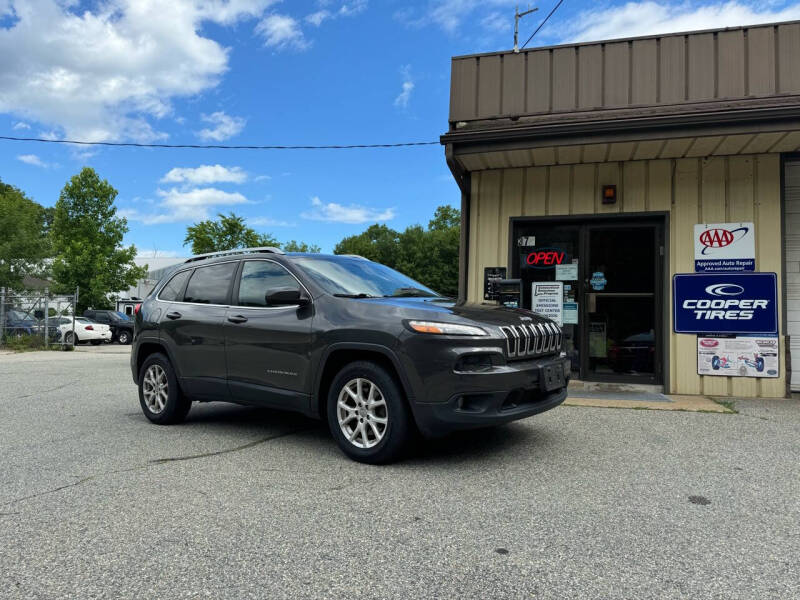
101,318
172,291
209,285
260,277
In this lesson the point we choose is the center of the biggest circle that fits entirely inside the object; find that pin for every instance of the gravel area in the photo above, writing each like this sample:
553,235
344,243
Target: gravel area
95,502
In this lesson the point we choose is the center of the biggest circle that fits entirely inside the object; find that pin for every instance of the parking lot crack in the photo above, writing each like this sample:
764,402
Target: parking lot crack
253,444
156,462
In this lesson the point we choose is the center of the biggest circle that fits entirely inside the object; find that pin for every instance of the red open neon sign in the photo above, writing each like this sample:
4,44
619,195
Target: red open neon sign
546,257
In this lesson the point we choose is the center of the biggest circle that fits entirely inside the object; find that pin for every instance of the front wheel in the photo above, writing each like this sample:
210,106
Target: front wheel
70,339
367,414
124,338
159,394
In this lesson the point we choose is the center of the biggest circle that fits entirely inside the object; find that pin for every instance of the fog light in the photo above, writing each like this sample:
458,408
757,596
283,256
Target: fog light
474,363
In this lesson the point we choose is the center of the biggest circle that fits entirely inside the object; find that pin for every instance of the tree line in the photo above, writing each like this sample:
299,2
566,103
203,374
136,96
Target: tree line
79,243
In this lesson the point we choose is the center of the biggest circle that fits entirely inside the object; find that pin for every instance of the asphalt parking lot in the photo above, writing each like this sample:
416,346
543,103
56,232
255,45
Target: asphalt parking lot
95,502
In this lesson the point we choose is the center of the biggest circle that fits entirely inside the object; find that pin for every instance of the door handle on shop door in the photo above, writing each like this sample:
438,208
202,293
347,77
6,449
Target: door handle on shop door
174,315
237,319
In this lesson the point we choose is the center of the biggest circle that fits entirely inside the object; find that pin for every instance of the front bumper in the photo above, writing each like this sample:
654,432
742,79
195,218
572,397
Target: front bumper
500,396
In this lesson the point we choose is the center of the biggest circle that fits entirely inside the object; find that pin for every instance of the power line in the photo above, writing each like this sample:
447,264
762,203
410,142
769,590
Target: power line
547,18
217,146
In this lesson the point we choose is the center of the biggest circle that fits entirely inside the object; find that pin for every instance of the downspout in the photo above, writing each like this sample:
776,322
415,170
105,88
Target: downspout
464,181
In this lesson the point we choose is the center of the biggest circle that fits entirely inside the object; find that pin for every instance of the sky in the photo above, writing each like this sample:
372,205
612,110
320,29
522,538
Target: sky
271,72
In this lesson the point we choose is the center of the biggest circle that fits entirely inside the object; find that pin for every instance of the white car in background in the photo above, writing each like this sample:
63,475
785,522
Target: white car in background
86,330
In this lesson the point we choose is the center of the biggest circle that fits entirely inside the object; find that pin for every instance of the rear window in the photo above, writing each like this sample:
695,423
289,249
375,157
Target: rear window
209,285
172,291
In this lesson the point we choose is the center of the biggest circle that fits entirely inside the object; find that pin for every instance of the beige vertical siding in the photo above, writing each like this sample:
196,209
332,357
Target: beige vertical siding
691,190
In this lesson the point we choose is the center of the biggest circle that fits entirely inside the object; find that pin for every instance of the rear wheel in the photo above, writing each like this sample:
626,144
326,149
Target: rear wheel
367,414
159,394
124,337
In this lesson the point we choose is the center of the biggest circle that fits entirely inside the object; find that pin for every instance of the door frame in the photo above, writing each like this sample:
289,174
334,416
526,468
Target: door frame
662,293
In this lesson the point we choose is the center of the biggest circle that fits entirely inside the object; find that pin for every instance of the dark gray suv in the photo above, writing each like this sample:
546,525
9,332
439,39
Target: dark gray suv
341,338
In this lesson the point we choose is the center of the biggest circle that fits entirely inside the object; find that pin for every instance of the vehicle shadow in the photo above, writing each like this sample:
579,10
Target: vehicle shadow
472,445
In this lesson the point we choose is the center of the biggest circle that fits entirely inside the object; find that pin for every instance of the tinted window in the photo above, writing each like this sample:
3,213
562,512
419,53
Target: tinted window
172,291
209,285
100,317
259,278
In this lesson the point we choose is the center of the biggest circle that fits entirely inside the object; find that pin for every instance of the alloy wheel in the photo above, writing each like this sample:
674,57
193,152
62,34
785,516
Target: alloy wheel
155,389
362,413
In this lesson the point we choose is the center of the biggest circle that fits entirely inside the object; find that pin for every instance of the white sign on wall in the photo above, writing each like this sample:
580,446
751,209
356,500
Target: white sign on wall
740,356
720,247
547,299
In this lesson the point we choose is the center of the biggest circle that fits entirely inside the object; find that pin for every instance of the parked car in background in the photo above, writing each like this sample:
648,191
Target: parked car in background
121,325
18,323
86,330
635,354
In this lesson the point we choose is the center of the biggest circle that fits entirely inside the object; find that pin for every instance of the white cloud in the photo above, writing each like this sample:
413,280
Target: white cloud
104,71
347,9
352,214
223,126
647,18
20,125
451,14
33,160
269,222
498,22
262,178
317,18
404,97
205,174
186,205
282,32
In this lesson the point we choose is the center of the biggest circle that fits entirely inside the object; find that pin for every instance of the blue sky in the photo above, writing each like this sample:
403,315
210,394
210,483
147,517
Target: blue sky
269,72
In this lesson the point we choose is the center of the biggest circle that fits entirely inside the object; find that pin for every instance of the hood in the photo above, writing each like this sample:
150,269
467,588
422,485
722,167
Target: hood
427,308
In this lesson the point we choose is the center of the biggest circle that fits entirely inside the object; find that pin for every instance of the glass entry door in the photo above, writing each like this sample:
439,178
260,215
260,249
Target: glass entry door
621,291
612,276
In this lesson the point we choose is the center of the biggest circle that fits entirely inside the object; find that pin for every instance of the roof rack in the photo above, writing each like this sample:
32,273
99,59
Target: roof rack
262,250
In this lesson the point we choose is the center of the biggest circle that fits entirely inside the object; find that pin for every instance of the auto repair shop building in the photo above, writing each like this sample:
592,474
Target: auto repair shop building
610,167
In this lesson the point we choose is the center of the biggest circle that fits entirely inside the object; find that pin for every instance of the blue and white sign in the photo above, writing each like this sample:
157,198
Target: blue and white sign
725,303
724,247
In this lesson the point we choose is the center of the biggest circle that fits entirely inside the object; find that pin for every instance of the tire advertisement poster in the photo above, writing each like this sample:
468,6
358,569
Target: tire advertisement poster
738,356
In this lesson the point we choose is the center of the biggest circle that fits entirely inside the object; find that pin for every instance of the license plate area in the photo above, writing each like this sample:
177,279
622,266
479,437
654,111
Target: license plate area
551,377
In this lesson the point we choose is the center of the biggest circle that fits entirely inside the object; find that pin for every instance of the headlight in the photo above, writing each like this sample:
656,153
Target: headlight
444,328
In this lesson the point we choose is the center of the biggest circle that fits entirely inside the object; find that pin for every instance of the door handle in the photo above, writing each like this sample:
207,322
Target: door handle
237,319
174,315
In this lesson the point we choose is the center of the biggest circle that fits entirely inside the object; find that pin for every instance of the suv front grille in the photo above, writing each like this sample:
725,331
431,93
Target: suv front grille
523,341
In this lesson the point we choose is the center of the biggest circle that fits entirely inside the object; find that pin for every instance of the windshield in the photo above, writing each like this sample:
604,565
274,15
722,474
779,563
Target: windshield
120,316
15,315
342,276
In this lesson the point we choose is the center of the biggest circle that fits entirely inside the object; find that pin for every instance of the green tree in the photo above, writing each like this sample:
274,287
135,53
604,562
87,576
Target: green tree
228,232
378,243
295,246
87,239
428,255
23,241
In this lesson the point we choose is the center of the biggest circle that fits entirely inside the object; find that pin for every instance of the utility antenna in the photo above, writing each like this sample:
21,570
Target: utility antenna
517,16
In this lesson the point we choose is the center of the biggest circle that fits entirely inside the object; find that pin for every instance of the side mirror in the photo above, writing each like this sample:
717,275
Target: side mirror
286,297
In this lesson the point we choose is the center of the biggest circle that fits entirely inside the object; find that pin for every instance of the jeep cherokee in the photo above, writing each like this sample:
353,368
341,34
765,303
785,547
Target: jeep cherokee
376,354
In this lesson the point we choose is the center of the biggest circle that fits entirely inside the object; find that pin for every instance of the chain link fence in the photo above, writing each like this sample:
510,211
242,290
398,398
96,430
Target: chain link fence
34,319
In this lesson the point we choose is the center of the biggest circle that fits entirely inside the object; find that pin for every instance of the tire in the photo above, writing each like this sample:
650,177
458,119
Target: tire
760,365
169,406
124,337
68,339
387,425
715,363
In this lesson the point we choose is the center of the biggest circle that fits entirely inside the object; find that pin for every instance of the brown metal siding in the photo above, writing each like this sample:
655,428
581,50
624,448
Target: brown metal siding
758,61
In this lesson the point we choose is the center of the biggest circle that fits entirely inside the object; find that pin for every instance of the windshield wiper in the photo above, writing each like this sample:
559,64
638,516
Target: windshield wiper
410,292
353,296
